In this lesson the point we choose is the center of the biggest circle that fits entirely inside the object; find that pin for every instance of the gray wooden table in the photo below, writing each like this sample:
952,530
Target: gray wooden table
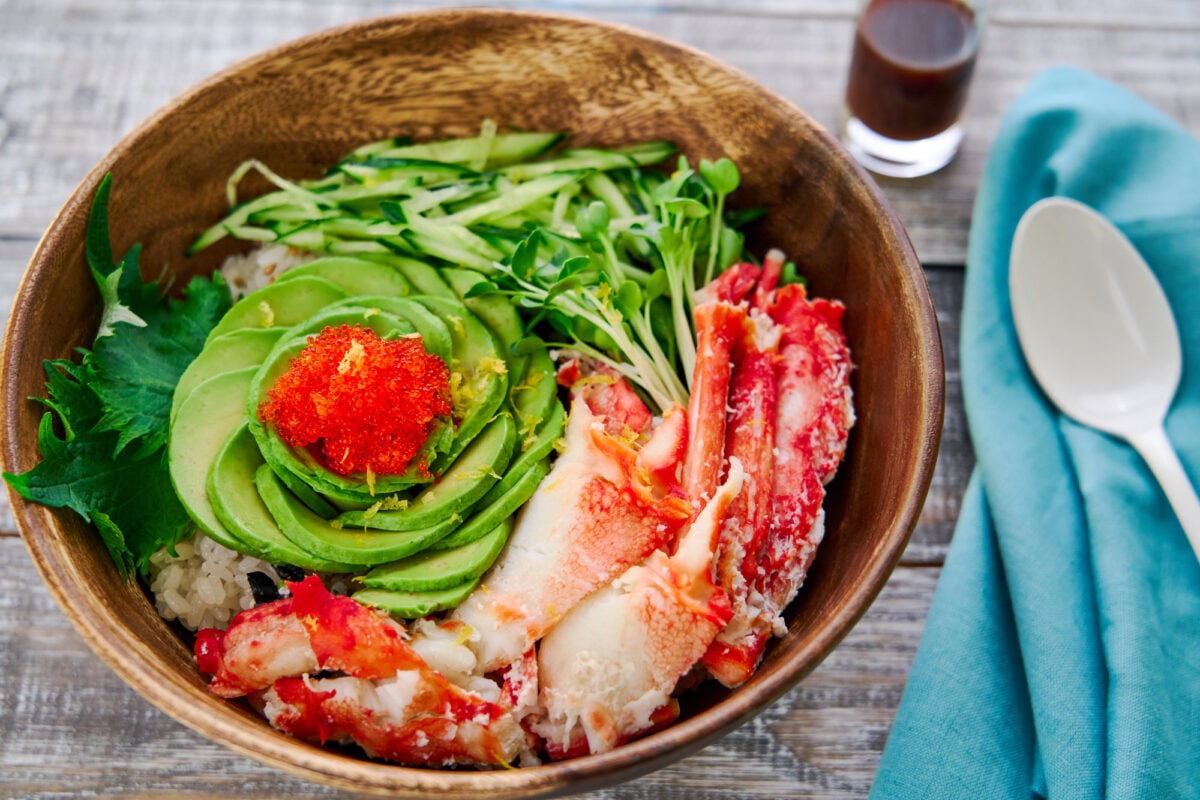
76,75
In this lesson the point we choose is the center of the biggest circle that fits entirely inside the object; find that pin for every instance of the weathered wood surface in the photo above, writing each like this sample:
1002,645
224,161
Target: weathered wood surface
76,75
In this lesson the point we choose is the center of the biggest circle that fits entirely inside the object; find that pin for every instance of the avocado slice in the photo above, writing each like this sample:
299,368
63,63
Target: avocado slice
495,311
355,276
278,305
236,502
323,539
532,399
316,502
211,412
434,333
346,492
534,450
441,569
476,357
424,278
384,325
244,347
502,507
343,492
411,605
469,478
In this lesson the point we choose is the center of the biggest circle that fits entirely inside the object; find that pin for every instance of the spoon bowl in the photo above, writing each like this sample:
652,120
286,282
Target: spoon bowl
1099,336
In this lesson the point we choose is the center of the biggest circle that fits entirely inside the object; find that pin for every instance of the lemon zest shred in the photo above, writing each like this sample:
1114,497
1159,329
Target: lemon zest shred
596,379
268,314
485,471
492,364
465,632
393,502
529,382
353,359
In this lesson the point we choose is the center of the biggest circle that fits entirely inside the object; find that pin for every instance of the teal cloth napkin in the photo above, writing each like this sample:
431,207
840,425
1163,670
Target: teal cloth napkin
1061,657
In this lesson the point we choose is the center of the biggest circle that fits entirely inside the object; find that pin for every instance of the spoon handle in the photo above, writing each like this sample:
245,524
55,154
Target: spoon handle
1158,452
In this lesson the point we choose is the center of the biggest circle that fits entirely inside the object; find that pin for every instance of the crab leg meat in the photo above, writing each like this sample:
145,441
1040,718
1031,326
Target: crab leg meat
750,438
768,280
815,416
519,685
611,399
387,699
718,325
812,424
732,285
604,507
608,668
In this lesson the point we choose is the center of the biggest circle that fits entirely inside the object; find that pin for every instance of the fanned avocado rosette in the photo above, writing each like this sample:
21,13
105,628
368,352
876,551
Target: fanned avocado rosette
420,492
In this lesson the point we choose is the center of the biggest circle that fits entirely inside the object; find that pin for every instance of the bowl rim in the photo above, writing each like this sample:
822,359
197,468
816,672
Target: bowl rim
128,657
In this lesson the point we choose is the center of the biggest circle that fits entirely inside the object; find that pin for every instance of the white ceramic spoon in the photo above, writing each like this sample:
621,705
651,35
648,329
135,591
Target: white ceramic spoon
1099,336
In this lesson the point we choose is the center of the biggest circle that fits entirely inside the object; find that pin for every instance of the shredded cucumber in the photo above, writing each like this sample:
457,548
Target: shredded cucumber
500,149
599,246
463,202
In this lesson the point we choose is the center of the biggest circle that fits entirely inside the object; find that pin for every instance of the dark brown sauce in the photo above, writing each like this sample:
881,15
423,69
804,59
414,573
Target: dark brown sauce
911,66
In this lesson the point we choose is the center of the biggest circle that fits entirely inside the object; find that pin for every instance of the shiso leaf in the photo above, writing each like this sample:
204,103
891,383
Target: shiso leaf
110,276
134,373
120,393
97,245
128,497
114,310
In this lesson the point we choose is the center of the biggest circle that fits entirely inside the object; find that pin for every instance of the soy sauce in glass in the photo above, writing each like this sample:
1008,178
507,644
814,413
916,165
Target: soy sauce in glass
911,65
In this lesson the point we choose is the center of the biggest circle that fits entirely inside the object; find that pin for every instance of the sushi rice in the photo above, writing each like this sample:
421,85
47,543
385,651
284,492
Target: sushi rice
202,584
253,270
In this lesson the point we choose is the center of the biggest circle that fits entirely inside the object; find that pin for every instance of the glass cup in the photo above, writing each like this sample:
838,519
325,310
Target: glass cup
909,74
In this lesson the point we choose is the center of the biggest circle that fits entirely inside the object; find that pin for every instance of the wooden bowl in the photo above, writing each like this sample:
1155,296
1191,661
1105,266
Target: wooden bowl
298,108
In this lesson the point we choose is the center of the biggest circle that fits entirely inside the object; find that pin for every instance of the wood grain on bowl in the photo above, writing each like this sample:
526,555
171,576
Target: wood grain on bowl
298,108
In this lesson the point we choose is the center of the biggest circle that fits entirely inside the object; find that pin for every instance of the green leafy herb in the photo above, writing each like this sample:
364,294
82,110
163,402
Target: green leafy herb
128,497
119,395
791,274
604,314
134,371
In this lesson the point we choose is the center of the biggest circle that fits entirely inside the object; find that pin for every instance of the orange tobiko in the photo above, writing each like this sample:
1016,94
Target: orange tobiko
361,404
